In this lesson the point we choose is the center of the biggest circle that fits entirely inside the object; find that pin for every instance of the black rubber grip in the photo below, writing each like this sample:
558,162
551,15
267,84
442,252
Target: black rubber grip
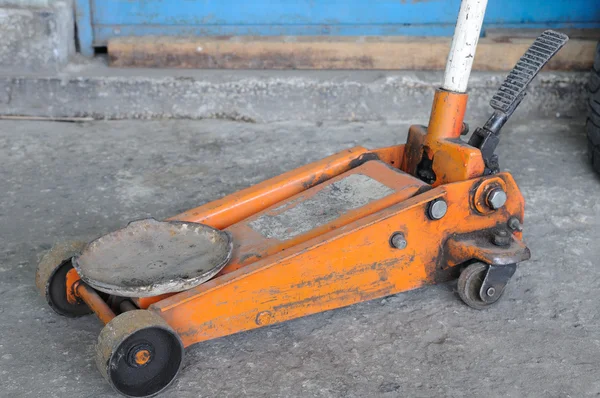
513,89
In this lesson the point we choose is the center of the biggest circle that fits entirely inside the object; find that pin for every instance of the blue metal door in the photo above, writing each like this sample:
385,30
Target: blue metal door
100,20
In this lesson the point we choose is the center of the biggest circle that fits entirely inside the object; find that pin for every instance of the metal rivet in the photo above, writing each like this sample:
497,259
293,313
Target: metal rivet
263,318
437,209
398,241
491,291
496,198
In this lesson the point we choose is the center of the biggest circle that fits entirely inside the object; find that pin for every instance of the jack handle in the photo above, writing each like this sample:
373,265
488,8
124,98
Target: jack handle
450,101
511,93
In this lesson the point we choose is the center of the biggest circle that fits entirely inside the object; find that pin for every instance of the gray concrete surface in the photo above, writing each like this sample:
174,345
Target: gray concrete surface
91,89
36,35
26,3
63,181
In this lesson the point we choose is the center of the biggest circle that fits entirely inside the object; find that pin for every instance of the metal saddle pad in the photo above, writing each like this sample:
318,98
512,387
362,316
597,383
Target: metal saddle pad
150,257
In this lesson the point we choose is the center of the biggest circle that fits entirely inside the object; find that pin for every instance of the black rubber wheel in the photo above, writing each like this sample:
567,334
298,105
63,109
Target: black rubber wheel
139,354
593,121
469,285
50,279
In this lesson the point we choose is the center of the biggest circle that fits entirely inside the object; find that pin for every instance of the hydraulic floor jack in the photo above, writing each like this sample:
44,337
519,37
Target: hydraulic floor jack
355,226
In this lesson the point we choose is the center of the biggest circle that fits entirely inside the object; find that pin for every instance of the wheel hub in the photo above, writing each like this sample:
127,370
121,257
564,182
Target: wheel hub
140,355
494,282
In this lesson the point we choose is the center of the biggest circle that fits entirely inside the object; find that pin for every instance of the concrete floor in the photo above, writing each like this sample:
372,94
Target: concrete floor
64,181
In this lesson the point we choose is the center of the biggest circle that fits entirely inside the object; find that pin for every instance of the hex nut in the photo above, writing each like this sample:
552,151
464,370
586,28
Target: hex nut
501,237
496,198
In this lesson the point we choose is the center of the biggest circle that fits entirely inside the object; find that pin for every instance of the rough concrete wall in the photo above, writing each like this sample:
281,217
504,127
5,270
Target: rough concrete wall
26,3
265,96
36,38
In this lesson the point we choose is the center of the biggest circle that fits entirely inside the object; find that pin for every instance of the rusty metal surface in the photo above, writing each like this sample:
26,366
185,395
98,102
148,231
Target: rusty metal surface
341,266
150,257
480,246
302,215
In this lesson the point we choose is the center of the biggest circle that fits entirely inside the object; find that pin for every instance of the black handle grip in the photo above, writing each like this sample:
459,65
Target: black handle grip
512,91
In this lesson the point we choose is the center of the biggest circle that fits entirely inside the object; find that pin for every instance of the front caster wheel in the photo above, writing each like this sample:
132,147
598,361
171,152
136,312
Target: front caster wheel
139,354
51,282
470,285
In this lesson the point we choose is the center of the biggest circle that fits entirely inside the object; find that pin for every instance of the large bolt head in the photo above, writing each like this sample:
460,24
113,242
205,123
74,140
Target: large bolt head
497,198
437,209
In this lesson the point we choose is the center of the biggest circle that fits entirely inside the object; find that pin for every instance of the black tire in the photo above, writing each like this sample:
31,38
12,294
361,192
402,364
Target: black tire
50,279
593,121
469,285
139,354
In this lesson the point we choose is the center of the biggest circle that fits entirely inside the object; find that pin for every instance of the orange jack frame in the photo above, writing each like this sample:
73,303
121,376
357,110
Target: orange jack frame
358,225
388,245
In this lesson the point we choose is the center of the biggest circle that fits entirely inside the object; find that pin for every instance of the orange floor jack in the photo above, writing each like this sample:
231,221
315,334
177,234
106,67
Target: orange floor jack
358,225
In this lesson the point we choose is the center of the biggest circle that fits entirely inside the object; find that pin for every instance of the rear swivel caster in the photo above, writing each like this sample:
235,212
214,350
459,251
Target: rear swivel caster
139,354
51,282
481,285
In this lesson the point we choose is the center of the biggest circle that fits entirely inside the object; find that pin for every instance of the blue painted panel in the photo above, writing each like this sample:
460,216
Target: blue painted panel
103,33
83,20
113,18
266,12
332,12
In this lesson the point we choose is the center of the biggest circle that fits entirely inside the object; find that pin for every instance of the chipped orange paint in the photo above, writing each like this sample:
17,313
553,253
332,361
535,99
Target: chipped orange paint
453,159
391,155
145,302
250,245
72,277
221,213
94,301
447,115
340,267
349,259
237,206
